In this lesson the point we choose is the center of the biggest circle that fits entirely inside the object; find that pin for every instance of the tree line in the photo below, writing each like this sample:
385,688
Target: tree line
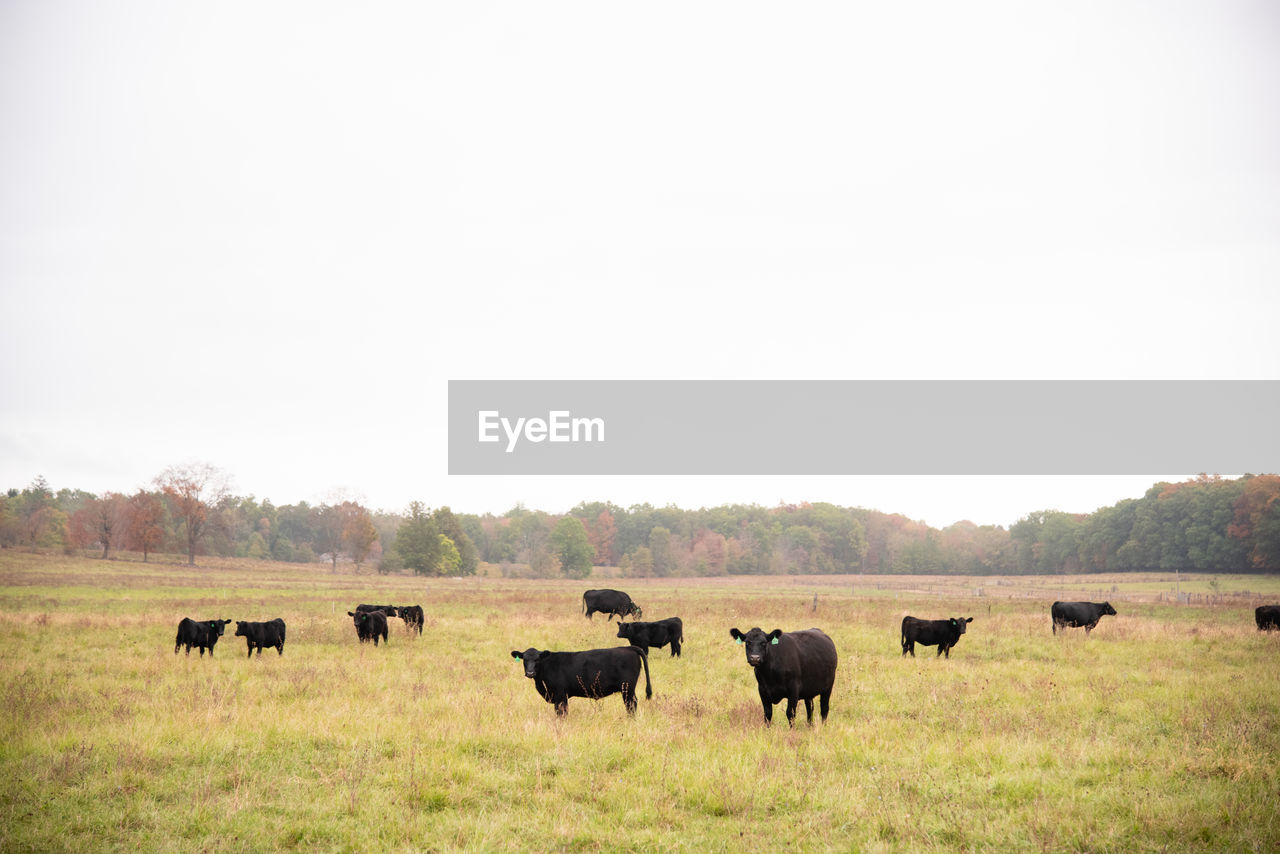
1207,524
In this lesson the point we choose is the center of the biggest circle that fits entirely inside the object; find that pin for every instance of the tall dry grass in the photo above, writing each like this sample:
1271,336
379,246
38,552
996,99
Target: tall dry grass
1157,732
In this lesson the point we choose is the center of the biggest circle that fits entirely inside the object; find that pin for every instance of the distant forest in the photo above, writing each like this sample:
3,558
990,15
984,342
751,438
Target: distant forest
1208,524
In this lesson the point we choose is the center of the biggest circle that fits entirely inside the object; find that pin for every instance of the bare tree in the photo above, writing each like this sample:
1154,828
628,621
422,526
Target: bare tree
193,489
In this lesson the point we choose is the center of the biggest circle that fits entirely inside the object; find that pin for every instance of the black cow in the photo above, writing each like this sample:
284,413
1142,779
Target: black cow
593,673
1267,617
791,666
389,610
1077,614
412,616
370,625
203,634
608,602
656,634
944,633
258,635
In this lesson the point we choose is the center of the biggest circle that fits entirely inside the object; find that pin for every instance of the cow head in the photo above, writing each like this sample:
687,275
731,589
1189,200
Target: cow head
635,612
1107,609
530,659
218,627
961,623
240,628
756,642
626,630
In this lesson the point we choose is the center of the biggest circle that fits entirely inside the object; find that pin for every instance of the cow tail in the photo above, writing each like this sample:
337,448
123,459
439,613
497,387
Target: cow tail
648,689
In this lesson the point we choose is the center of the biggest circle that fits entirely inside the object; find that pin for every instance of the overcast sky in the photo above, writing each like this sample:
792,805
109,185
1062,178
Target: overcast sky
264,235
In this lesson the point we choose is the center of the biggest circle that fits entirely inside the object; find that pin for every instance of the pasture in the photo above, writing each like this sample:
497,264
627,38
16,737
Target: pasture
1159,732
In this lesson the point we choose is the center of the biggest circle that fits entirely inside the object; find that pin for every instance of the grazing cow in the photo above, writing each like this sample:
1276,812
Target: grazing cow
370,625
1266,616
791,666
608,602
656,634
1077,614
593,673
389,610
944,633
412,616
203,634
258,635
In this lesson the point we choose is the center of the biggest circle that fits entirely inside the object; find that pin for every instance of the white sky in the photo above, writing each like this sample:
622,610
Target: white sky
265,235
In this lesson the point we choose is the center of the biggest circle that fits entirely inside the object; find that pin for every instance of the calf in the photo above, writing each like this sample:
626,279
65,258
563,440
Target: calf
592,673
258,635
609,602
656,634
1267,617
412,616
1077,614
203,634
944,633
791,666
370,625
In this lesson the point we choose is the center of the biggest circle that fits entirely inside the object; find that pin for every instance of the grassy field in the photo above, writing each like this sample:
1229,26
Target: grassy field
1159,732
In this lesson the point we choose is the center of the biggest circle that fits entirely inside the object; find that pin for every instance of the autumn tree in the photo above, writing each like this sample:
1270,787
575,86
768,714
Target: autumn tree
100,521
601,531
144,531
1256,519
193,490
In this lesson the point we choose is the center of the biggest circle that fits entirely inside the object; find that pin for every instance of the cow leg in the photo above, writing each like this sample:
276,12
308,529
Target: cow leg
808,709
792,702
629,698
911,648
280,647
675,649
562,706
942,647
768,707
824,703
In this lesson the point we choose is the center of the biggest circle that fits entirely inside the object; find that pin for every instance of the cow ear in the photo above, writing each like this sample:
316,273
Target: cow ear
515,655
969,620
774,635
736,635
953,621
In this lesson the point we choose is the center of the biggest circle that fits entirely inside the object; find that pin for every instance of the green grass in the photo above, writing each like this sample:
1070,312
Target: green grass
1159,732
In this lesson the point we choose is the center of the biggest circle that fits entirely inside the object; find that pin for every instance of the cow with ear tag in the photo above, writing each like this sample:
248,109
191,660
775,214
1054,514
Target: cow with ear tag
791,666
